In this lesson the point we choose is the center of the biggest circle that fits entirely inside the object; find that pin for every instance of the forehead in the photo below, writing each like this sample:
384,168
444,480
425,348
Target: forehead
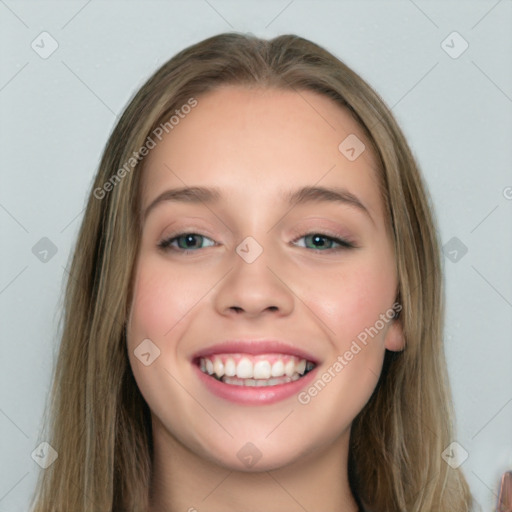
256,140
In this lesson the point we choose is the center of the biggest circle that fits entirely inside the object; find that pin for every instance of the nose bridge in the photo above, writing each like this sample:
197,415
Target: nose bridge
253,286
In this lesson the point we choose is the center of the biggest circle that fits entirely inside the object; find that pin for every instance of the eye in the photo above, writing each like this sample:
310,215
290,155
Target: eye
323,242
185,242
190,242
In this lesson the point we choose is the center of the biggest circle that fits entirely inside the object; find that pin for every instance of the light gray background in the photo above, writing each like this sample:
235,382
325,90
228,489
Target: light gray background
57,113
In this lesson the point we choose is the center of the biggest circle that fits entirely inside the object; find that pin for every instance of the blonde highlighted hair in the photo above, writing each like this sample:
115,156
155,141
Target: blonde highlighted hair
98,421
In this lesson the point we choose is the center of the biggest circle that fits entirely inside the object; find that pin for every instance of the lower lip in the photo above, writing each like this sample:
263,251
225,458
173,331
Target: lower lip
253,395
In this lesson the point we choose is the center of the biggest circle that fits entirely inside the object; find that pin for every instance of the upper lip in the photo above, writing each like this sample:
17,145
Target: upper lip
254,347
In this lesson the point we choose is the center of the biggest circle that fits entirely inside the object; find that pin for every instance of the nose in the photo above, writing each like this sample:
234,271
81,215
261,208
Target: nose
254,289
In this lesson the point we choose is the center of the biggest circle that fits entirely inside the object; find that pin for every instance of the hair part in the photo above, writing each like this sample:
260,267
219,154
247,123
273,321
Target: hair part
99,422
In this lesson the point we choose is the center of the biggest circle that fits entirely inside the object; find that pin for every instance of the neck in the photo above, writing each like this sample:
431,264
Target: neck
183,481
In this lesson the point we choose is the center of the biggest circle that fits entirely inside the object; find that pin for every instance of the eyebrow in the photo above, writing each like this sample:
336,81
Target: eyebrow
322,194
303,195
185,195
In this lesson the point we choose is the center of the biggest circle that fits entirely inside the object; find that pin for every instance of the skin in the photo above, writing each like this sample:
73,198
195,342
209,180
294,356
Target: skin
253,144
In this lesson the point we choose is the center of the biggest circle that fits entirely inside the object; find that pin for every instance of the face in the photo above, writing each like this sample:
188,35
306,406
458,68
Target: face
261,314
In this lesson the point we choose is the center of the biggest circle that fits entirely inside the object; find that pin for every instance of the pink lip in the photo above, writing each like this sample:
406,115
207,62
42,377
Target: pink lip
254,348
249,395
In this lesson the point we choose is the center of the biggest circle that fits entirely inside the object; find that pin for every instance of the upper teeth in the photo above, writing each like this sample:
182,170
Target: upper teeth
254,367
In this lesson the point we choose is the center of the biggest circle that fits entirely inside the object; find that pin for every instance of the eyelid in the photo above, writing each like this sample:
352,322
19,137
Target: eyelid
165,242
187,229
342,243
345,239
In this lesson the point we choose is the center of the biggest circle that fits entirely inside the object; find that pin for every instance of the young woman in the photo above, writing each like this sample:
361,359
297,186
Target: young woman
253,317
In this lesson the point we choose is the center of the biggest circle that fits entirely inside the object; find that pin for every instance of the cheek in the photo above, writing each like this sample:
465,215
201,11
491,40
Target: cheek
352,304
162,297
160,300
352,300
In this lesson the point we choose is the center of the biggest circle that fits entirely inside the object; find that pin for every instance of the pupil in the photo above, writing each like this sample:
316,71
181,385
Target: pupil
318,240
189,240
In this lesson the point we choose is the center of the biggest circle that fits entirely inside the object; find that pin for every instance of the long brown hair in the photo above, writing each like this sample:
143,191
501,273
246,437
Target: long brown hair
98,422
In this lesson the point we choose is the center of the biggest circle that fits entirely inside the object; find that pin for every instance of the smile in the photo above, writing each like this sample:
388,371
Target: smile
255,370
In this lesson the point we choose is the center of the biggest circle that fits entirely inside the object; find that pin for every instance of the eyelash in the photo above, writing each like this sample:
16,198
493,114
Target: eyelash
343,244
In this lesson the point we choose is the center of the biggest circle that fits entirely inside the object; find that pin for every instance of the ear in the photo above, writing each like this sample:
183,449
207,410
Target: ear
394,339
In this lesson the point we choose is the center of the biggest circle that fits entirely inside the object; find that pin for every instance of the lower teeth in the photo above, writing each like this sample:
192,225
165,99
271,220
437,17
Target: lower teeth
235,381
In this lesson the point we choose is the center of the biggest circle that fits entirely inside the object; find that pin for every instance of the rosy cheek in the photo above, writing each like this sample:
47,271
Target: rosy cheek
363,294
150,308
162,298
